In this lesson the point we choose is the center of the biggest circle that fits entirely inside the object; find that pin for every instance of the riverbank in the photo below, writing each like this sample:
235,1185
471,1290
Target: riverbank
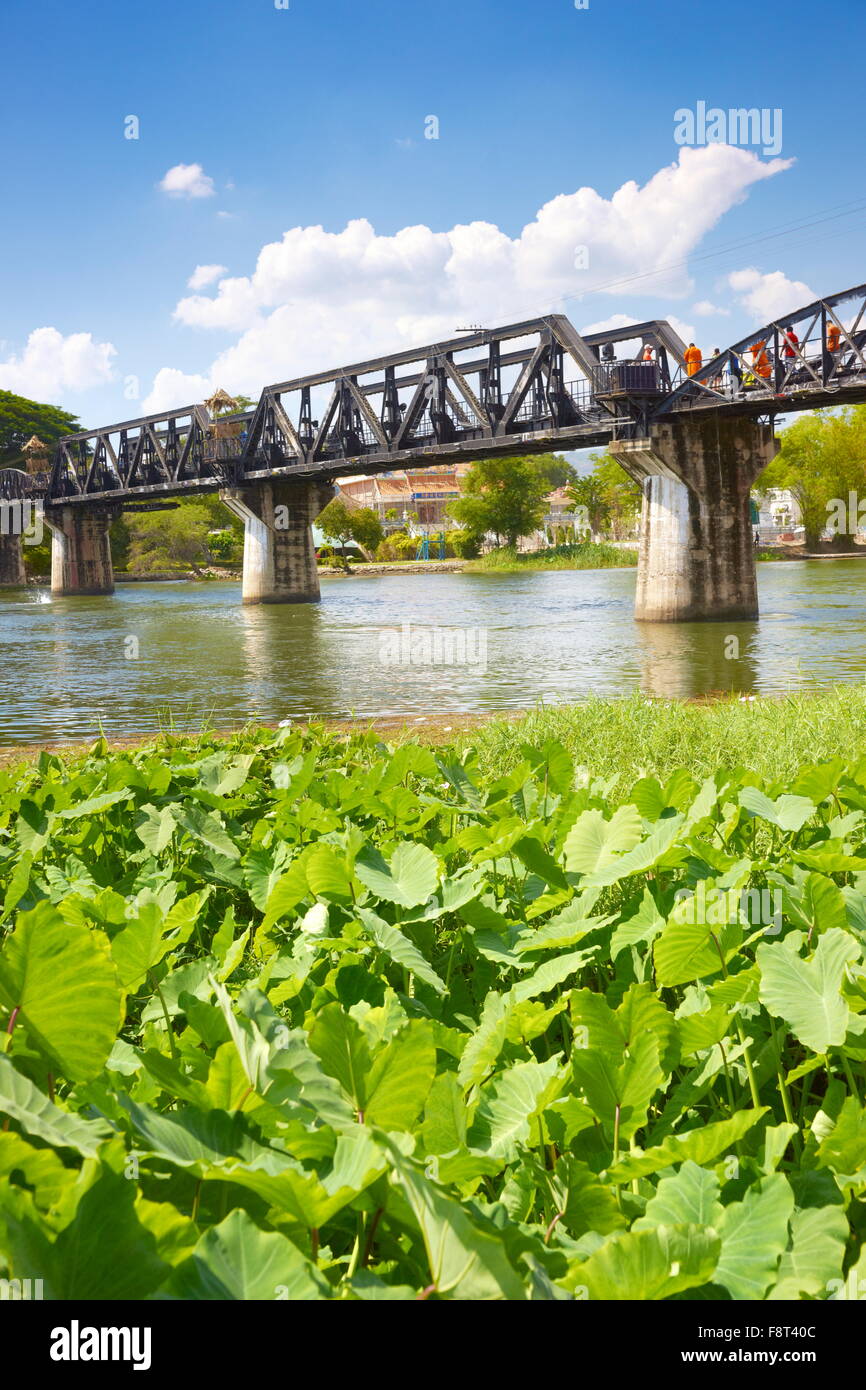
621,739
586,555
368,570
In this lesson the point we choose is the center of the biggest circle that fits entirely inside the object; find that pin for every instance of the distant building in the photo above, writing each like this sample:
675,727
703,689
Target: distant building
778,514
425,494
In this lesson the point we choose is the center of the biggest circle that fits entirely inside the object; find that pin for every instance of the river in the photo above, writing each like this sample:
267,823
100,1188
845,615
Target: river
156,654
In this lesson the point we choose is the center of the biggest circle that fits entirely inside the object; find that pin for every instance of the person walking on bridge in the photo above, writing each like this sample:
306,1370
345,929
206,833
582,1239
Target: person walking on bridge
834,335
694,359
760,360
791,344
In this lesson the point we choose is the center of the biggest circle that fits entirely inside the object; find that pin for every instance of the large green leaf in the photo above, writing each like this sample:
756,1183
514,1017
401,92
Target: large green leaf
688,951
509,1103
279,1062
754,1235
106,1253
593,842
700,1145
341,1046
818,1237
207,828
155,828
814,903
644,856
400,949
638,1266
35,1113
61,978
589,1204
409,880
788,812
689,1197
238,1261
465,1259
140,946
843,1148
807,993
400,1077
623,1089
485,1044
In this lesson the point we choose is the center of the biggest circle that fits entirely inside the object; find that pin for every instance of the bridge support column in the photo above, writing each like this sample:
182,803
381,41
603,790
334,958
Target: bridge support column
279,554
697,556
11,562
80,551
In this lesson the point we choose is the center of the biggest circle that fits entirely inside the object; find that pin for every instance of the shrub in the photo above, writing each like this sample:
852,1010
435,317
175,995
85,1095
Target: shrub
465,544
406,547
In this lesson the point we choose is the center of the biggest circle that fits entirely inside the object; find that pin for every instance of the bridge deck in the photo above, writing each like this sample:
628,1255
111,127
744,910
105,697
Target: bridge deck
524,388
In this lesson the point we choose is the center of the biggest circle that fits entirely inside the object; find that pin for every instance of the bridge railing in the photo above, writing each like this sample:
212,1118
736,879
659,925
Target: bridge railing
802,360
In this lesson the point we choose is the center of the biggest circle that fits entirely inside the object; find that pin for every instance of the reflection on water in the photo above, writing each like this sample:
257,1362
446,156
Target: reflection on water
68,665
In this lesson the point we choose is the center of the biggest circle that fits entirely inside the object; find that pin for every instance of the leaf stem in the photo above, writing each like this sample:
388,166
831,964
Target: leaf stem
165,1014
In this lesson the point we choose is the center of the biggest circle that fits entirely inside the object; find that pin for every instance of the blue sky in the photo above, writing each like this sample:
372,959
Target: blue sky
314,116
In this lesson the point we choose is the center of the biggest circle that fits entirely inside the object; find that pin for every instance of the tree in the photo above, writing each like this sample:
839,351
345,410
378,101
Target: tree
169,540
591,496
334,522
351,524
366,530
503,496
821,461
609,495
554,469
21,418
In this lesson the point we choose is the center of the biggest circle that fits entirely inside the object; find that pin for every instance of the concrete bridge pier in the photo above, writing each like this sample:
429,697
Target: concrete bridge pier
279,554
11,562
697,555
80,551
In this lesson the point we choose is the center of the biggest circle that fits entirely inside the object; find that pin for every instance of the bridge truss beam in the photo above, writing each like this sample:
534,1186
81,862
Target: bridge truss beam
527,387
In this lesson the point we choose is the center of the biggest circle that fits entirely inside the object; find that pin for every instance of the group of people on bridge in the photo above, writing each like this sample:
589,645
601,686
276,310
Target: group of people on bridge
761,355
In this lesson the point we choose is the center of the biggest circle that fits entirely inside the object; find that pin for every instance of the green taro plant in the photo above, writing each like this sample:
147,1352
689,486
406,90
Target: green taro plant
302,1015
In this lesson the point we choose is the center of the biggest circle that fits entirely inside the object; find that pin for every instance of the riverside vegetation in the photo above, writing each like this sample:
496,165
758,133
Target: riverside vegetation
302,1015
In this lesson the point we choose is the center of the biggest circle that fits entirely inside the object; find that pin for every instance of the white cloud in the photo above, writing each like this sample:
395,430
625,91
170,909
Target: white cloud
205,275
316,299
51,363
768,296
706,309
172,387
187,181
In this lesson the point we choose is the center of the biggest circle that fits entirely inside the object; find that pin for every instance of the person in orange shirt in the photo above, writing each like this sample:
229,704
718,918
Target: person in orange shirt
760,360
694,360
833,337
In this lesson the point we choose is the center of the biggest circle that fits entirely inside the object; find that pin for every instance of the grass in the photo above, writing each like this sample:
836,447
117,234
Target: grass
585,555
622,739
626,738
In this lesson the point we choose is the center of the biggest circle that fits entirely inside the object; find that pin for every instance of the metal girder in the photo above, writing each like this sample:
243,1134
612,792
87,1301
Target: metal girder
365,410
806,380
529,386
469,396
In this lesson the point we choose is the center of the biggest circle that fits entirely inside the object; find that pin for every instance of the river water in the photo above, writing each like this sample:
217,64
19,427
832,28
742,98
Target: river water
160,653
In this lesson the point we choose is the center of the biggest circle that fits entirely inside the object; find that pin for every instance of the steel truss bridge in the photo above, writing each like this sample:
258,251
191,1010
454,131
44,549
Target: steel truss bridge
529,387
